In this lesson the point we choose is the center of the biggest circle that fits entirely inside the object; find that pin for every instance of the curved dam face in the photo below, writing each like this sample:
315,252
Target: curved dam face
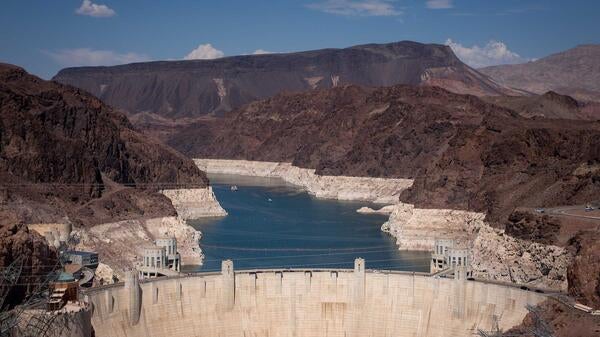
306,303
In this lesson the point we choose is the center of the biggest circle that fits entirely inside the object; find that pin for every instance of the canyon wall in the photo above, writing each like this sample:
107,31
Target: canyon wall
379,190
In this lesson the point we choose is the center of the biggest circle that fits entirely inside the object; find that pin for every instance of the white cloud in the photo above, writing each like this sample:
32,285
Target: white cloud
439,4
357,7
204,52
91,57
261,52
98,11
493,53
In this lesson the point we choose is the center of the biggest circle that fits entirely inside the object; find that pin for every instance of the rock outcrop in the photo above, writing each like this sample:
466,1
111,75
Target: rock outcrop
418,228
66,154
31,259
498,256
378,190
178,89
584,272
104,274
195,203
120,243
494,254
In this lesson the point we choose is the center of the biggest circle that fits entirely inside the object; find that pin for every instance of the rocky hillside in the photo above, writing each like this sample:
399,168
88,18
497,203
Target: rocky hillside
178,89
64,153
548,105
462,152
574,72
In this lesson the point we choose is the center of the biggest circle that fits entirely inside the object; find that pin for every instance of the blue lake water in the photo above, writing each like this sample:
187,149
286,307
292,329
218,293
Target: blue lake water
272,224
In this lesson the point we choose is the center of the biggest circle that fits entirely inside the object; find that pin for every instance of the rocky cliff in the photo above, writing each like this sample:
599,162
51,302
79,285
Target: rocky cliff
65,153
177,89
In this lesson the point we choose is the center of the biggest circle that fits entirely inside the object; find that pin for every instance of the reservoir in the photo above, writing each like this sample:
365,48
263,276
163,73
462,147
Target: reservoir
272,224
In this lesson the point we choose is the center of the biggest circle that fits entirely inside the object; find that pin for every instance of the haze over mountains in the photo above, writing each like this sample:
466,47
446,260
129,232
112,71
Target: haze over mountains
574,72
177,89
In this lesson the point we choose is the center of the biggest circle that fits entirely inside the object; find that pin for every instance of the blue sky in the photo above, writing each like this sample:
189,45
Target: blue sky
44,36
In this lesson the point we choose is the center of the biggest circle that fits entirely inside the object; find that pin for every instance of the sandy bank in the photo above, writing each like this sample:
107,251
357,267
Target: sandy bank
379,190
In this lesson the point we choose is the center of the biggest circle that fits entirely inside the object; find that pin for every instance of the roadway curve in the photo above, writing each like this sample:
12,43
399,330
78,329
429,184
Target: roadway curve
569,211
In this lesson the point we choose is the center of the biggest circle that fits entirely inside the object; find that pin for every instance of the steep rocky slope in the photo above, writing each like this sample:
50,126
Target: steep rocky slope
64,153
584,273
177,89
462,152
65,156
574,72
30,256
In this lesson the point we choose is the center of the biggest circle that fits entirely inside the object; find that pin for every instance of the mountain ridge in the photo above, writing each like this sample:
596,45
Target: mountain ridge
192,88
574,72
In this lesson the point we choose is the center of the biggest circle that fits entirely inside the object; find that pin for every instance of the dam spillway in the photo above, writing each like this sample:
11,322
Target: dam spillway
303,302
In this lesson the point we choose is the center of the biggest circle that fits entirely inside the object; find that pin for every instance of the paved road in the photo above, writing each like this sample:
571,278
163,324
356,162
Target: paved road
567,211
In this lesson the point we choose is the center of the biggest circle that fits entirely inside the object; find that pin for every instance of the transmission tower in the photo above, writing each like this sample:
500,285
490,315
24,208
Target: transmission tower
8,279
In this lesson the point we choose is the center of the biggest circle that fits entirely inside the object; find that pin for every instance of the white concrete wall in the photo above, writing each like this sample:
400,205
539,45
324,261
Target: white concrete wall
317,303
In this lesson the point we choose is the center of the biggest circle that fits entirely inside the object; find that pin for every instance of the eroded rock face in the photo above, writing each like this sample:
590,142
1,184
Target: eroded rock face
499,256
584,272
104,274
37,259
417,228
195,203
560,319
533,227
495,255
68,154
120,244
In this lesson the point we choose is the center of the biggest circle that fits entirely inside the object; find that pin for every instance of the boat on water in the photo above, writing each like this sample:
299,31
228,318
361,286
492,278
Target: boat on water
234,188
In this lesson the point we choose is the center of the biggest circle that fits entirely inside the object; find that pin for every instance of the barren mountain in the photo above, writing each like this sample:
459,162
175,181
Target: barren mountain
574,72
177,89
463,152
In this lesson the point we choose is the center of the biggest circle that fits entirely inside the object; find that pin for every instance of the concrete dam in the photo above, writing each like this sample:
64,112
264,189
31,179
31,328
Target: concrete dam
301,302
